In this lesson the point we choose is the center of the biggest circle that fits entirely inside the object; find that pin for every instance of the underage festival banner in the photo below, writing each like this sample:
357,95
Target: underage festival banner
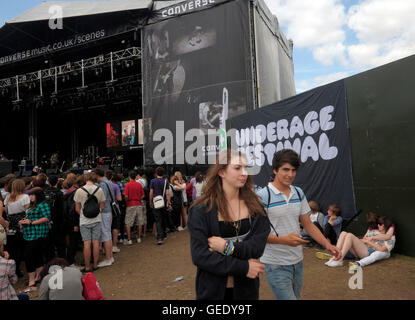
315,125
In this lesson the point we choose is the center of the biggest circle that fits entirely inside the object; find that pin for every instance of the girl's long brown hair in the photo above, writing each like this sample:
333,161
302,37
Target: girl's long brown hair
18,188
213,191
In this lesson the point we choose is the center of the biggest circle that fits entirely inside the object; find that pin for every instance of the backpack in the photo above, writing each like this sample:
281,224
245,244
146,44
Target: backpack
91,206
50,196
55,200
91,290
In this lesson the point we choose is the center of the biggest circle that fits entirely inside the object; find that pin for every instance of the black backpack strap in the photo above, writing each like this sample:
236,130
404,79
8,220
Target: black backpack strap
86,191
95,190
266,213
109,190
89,193
298,193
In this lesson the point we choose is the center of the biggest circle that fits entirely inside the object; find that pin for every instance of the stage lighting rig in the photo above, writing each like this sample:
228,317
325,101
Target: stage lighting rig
53,100
17,105
39,103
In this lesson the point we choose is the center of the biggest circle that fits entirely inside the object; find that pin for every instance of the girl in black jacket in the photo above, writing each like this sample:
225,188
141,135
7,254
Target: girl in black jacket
228,232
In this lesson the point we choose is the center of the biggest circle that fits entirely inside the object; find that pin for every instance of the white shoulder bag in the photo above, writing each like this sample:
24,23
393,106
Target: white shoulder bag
158,201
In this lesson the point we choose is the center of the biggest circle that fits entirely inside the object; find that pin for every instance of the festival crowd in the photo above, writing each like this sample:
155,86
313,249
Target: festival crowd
235,232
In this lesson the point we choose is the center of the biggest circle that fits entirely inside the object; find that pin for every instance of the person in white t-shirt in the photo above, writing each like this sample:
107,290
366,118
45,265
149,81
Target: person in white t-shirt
90,228
16,204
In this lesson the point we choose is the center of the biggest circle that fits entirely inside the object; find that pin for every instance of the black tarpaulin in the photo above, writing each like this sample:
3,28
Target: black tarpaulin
196,73
315,125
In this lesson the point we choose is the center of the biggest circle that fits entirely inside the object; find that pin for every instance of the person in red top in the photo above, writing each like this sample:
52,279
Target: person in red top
134,193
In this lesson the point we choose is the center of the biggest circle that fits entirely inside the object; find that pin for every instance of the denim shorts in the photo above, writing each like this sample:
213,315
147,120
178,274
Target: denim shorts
106,222
370,250
91,231
286,282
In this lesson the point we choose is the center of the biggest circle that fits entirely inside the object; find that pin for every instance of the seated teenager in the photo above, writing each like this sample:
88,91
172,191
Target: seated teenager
380,245
8,276
316,217
70,287
332,223
364,248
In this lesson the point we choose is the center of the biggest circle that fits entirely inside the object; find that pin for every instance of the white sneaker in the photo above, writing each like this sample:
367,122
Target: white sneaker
112,260
327,262
138,240
105,263
335,264
120,240
115,250
353,266
180,228
128,242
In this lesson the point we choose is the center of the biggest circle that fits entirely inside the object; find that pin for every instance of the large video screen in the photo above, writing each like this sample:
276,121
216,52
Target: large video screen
128,133
196,70
113,135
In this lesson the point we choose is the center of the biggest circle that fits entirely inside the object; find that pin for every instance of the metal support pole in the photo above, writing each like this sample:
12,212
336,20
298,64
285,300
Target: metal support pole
112,67
17,88
33,135
56,80
40,81
83,75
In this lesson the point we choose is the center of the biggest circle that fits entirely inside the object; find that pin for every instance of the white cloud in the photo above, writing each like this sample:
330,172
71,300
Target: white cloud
304,85
385,30
329,53
317,25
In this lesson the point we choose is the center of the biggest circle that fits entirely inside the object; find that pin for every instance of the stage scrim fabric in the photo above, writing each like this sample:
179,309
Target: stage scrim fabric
196,70
315,125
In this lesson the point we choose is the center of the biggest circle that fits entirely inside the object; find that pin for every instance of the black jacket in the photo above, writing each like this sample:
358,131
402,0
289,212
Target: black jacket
54,198
70,216
213,268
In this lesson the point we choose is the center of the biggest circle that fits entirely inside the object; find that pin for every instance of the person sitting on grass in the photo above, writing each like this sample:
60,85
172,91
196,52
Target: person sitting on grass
332,223
364,248
381,243
8,276
68,287
317,218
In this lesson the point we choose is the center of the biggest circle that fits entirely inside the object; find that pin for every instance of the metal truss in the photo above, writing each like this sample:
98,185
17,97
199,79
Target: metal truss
110,58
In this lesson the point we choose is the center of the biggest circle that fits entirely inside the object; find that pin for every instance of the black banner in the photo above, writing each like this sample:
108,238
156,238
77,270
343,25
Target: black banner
183,8
196,74
35,38
315,125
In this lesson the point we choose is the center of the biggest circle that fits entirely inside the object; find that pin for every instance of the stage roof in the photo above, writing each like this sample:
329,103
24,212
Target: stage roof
79,8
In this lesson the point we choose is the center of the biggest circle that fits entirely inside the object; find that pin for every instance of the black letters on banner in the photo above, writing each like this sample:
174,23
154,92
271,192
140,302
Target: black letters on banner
315,125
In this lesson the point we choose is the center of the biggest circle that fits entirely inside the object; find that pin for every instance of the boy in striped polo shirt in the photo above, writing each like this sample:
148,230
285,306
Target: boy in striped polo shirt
286,205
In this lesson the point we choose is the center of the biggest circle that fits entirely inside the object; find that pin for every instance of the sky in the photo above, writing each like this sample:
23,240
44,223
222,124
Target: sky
333,39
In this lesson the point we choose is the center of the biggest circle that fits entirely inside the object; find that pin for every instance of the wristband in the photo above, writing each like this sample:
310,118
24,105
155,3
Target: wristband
225,250
233,248
229,248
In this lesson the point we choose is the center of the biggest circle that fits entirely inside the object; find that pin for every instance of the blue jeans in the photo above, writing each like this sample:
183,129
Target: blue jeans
286,282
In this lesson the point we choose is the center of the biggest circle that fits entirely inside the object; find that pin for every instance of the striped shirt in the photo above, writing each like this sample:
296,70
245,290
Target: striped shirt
284,214
34,232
